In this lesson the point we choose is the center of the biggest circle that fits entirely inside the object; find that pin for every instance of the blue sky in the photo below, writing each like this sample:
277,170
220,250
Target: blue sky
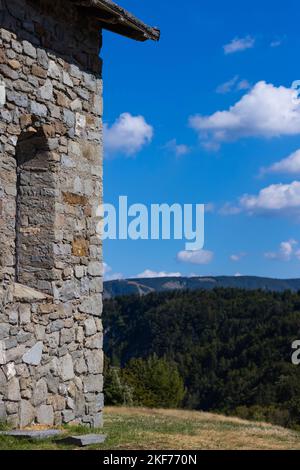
213,57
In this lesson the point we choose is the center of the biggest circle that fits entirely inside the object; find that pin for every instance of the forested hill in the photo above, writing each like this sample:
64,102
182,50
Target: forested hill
166,284
232,347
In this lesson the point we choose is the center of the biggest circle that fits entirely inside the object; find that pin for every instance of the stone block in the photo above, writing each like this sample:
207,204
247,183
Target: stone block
54,71
46,91
38,109
85,440
95,269
33,435
57,401
94,361
38,71
94,342
12,408
40,393
29,49
3,414
10,370
42,58
40,332
93,383
90,327
57,325
45,415
68,415
80,366
13,390
27,413
4,330
52,383
66,369
24,314
80,247
3,382
67,335
34,355
74,199
92,305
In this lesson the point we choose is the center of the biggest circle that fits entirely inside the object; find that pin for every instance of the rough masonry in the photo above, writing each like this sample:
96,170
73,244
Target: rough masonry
51,336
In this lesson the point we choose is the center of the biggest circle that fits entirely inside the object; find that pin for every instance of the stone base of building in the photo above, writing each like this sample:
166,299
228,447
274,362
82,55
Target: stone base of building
51,361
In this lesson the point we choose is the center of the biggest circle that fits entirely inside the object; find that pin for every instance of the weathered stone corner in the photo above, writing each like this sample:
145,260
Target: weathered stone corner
51,152
51,359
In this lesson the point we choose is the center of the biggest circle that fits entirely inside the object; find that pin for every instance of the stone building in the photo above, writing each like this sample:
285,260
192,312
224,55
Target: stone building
50,190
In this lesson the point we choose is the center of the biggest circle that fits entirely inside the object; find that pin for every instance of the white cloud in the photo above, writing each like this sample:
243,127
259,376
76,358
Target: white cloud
195,257
128,135
230,209
239,44
211,146
237,257
243,85
274,199
106,268
109,275
148,274
227,86
209,208
289,165
285,252
178,149
233,85
114,277
265,111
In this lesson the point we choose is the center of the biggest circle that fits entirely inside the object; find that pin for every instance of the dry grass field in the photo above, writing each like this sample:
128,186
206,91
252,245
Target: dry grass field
190,430
137,428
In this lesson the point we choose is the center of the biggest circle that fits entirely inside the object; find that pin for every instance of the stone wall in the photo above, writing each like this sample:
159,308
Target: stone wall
51,362
50,191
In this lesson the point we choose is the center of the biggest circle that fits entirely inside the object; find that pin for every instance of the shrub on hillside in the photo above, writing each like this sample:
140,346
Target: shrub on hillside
152,383
156,382
116,391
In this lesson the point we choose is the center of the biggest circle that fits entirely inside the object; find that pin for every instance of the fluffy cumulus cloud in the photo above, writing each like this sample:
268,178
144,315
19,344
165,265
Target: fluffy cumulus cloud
239,44
277,198
274,200
265,111
286,251
178,149
195,257
127,135
148,274
289,165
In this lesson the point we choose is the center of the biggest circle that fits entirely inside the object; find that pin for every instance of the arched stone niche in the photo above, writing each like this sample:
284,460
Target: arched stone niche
35,210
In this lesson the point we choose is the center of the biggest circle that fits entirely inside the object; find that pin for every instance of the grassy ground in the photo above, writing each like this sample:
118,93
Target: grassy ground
133,429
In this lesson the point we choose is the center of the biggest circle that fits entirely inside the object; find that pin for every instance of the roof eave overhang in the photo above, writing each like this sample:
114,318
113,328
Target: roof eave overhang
114,18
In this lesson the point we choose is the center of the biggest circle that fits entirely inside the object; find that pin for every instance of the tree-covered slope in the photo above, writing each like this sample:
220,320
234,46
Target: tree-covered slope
232,347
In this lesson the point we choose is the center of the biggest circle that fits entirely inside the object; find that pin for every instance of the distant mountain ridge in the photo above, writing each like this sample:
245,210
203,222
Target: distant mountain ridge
165,284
